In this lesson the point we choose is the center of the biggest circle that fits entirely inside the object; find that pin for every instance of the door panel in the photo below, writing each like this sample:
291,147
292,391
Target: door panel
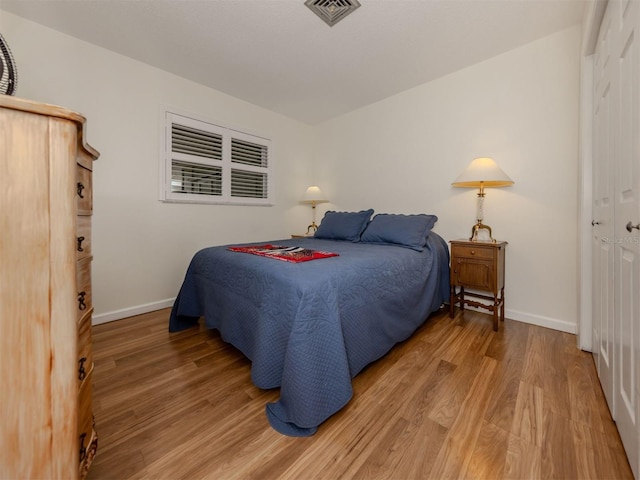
627,211
603,225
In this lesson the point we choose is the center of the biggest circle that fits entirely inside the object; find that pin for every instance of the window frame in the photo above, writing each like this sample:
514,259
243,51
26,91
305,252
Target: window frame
167,156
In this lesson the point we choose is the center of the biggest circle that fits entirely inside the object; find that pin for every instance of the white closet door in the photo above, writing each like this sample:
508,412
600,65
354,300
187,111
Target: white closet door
603,219
627,216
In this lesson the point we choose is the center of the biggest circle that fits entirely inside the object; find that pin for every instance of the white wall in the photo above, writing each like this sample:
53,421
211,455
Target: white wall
397,155
521,108
142,246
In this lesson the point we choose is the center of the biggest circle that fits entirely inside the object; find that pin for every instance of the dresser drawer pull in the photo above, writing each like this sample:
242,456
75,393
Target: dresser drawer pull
80,240
81,371
83,449
473,252
81,304
80,188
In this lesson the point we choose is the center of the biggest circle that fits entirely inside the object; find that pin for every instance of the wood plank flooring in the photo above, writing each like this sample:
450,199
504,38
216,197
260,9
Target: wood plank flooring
456,400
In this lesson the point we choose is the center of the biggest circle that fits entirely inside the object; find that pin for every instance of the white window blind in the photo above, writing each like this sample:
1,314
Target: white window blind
207,163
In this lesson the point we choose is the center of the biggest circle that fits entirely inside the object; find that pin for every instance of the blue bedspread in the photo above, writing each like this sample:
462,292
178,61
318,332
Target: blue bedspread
310,327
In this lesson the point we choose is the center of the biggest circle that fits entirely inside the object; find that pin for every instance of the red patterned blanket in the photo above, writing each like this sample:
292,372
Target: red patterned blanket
287,254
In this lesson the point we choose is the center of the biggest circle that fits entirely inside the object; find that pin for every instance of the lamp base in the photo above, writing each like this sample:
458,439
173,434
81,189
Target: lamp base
476,228
313,227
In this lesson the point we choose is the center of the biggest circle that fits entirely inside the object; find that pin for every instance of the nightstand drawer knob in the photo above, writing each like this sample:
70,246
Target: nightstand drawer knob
473,252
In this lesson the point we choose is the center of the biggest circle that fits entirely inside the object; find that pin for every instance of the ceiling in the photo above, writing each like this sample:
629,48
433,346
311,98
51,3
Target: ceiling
279,55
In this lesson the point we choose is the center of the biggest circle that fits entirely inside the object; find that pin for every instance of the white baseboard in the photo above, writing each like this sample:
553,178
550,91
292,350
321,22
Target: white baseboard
538,320
131,311
541,321
532,319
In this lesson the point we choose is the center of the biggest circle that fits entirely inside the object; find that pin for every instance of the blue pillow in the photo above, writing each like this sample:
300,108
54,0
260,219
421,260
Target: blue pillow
343,225
405,230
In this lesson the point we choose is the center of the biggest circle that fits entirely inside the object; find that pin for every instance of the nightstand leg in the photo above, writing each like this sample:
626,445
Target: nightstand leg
452,301
502,306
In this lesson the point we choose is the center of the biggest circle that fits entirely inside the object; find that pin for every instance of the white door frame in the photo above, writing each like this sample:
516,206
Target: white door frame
591,26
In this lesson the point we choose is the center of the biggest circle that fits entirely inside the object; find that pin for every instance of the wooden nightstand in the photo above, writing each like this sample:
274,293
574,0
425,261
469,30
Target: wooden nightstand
293,235
478,266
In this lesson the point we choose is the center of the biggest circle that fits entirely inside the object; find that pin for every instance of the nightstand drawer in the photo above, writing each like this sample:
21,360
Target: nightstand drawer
475,252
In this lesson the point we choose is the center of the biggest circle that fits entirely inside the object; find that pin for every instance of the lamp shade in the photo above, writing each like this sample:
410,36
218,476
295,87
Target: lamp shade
314,195
483,172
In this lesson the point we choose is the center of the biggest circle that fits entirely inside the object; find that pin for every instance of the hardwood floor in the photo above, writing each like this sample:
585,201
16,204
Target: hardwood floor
456,400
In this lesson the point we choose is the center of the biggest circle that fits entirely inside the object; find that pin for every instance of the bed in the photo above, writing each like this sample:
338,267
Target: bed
310,327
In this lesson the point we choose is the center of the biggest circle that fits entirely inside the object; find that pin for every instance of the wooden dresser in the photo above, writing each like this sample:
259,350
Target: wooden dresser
46,419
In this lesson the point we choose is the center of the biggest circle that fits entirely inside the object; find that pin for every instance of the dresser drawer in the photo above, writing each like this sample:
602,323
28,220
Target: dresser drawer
85,357
474,252
84,301
90,447
85,418
84,190
83,237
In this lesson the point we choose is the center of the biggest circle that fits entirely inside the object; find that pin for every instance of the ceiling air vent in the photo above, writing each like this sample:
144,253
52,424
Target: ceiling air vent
332,11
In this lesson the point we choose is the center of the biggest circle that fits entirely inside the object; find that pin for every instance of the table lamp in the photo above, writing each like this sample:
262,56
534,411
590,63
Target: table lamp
313,195
482,172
